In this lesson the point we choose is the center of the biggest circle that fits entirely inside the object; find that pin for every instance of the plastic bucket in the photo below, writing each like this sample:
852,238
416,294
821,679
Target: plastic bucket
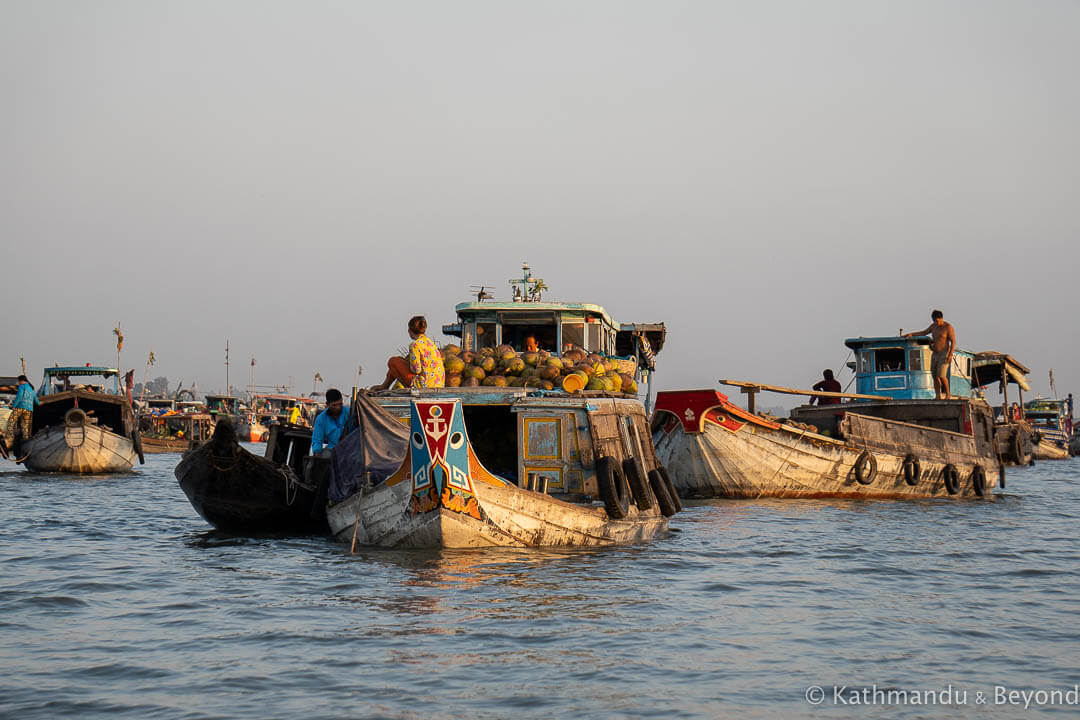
572,383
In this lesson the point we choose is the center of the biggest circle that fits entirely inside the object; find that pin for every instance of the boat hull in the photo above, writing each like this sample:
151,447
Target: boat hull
1047,449
80,449
507,516
442,496
164,445
724,451
237,491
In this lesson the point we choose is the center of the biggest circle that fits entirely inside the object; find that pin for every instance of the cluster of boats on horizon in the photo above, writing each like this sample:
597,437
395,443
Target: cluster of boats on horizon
519,465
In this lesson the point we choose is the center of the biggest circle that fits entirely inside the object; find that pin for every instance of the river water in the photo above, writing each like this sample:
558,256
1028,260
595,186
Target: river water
117,600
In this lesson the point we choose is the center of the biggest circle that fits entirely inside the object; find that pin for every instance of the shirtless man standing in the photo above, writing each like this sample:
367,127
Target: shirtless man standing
943,343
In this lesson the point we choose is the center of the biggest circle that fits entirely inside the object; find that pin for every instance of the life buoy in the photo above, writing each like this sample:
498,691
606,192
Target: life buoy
639,486
671,489
912,469
978,480
865,468
75,417
612,487
663,497
951,476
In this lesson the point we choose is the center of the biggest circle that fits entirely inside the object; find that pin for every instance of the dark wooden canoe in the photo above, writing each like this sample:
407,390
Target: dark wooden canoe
237,491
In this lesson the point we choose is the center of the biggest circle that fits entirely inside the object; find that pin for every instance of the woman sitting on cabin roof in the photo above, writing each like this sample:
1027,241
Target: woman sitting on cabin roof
424,365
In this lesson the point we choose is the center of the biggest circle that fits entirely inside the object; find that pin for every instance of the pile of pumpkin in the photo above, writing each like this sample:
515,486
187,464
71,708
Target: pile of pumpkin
503,367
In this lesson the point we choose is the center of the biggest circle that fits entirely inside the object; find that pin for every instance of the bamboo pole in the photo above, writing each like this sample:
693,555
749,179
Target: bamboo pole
749,387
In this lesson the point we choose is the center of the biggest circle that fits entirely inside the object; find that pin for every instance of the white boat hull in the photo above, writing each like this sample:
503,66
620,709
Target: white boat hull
80,449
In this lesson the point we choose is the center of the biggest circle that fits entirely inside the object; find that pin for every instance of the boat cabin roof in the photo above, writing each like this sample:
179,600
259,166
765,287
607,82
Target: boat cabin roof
990,366
873,342
80,371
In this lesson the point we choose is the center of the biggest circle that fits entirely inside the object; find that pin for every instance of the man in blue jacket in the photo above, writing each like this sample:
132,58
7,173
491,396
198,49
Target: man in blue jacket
330,423
22,414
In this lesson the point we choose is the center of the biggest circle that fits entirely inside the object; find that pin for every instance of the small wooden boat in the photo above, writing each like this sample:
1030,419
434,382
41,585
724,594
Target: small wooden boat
177,432
237,491
81,429
1048,422
443,496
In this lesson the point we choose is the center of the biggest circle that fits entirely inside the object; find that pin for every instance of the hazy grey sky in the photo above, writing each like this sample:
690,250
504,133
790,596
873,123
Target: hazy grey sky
767,178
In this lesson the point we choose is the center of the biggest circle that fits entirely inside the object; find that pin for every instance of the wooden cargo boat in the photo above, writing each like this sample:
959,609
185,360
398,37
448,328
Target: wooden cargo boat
894,440
571,486
79,428
176,432
512,466
713,448
237,491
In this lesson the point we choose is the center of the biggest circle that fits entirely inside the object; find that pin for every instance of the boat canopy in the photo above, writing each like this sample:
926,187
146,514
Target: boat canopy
63,374
991,366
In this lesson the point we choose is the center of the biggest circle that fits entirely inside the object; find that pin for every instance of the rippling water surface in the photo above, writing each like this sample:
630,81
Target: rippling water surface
117,600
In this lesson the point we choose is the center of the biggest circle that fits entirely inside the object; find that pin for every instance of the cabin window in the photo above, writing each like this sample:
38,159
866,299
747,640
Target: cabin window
485,335
573,334
889,360
594,337
915,360
514,336
468,332
866,361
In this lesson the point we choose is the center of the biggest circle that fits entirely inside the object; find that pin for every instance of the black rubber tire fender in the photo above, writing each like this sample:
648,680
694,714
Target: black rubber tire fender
663,497
978,480
951,476
671,489
612,487
912,469
865,468
639,486
75,417
1018,446
136,441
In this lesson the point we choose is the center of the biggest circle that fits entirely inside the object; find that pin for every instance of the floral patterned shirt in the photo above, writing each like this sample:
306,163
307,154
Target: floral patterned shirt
426,361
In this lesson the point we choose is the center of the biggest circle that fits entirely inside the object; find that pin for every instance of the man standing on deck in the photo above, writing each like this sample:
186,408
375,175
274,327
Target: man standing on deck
942,343
330,423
